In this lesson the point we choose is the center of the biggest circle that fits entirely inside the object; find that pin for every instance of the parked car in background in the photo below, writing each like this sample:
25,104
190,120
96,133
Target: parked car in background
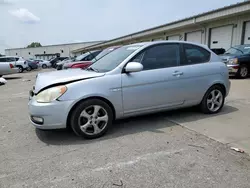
55,60
59,65
218,51
43,63
132,80
18,62
33,64
7,68
21,64
86,64
86,58
237,59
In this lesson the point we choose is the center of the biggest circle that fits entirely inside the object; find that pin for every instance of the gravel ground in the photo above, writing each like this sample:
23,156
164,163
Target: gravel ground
147,151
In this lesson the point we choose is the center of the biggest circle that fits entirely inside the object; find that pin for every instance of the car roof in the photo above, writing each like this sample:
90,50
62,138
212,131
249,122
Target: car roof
166,42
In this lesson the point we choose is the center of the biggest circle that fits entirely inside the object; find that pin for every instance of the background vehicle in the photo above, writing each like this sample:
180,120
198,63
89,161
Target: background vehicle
60,64
32,64
134,79
218,51
53,61
7,68
86,64
21,64
237,59
86,58
43,63
18,62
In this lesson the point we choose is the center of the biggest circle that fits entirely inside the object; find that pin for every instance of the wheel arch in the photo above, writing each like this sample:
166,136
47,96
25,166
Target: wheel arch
220,84
88,98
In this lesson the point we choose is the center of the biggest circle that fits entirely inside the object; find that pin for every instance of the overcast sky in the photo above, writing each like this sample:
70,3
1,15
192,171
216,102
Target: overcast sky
66,21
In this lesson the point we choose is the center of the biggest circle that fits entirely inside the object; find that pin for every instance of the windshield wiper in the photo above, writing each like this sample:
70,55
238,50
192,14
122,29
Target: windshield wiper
92,69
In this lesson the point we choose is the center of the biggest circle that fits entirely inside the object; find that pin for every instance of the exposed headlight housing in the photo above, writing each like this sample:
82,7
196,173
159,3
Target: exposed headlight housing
233,61
50,94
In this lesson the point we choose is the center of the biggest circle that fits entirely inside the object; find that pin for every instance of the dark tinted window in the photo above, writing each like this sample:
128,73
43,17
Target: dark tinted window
88,58
2,59
10,59
160,56
194,55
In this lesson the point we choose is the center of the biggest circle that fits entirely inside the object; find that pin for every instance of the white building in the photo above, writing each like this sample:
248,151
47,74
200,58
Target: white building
47,52
220,28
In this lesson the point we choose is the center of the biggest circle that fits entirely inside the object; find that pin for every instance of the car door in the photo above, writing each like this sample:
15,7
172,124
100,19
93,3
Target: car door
197,73
156,86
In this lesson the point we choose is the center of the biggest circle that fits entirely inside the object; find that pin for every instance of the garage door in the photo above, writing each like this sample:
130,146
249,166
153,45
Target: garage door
247,33
195,36
174,37
221,37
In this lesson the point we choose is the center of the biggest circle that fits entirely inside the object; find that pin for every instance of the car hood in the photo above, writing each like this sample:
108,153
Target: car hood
48,79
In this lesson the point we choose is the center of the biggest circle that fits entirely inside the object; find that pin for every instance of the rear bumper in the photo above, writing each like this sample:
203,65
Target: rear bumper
233,69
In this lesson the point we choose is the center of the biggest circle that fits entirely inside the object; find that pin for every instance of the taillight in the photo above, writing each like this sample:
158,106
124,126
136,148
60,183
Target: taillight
11,66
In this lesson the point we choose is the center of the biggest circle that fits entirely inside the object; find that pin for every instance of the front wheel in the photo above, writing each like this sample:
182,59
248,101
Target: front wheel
243,72
91,118
28,68
44,66
213,100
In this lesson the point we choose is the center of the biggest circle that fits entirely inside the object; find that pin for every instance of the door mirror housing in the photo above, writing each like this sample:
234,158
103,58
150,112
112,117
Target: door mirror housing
133,67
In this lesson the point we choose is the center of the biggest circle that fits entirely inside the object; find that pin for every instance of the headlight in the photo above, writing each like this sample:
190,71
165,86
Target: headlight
233,61
51,94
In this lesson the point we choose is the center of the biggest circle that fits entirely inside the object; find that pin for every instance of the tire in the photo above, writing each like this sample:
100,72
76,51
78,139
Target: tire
44,66
208,100
92,127
28,69
20,69
243,72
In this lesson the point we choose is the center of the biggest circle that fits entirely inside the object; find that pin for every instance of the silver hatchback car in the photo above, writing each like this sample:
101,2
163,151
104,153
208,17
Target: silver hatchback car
132,80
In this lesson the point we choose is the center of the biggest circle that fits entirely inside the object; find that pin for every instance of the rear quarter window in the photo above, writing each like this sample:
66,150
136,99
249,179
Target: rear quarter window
195,55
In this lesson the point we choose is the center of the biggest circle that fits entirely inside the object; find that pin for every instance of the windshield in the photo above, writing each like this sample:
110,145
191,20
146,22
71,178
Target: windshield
80,57
103,53
113,59
239,50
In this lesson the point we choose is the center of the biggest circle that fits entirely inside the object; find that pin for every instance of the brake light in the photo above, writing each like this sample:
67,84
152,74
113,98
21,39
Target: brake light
11,66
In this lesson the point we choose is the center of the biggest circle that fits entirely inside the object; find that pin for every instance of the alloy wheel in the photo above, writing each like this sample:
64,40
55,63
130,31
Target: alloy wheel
215,100
93,120
243,71
20,69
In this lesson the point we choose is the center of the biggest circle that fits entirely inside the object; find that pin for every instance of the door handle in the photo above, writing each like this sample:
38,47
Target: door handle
177,73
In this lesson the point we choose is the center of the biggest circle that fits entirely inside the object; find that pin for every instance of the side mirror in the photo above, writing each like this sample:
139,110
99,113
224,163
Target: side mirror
133,67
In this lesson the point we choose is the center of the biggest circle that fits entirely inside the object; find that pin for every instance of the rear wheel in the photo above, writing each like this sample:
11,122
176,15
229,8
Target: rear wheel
213,101
91,118
243,71
20,69
44,66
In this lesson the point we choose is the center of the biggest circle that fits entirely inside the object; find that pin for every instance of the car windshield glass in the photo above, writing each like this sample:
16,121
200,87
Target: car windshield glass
103,53
80,57
239,50
113,59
